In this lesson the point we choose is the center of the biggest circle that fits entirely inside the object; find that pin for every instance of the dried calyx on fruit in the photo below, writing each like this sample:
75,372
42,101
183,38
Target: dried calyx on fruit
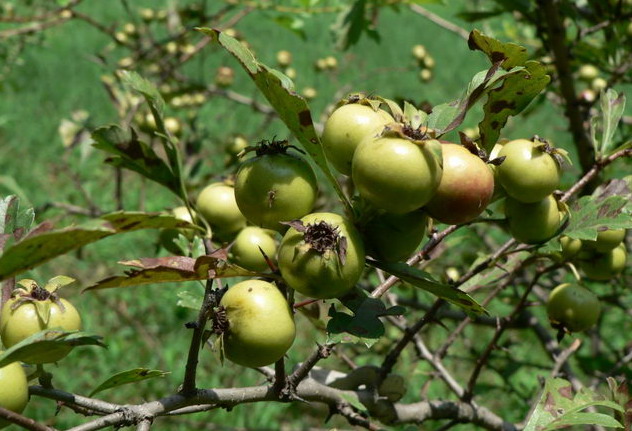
32,309
275,186
321,256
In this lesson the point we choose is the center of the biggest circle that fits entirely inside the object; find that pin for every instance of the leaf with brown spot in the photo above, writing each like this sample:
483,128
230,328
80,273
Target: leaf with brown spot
592,214
175,269
40,246
513,96
560,408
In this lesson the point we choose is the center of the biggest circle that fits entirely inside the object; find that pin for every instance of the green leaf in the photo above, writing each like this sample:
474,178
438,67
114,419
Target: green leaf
44,244
416,117
592,214
148,90
30,348
423,280
157,107
130,153
350,24
127,377
15,222
57,282
364,325
559,407
293,23
612,107
291,107
175,269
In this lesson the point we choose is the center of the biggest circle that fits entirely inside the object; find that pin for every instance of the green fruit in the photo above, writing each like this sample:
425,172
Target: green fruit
396,174
20,322
217,204
603,266
260,324
14,389
588,72
570,247
574,307
465,189
245,250
275,187
606,240
346,128
310,261
533,223
394,237
528,173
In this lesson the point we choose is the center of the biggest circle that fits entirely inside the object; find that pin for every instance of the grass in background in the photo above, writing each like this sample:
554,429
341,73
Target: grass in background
142,326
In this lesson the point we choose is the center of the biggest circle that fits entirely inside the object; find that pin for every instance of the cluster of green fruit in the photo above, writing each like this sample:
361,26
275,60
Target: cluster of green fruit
284,62
573,307
403,177
528,175
601,259
424,61
590,75
31,309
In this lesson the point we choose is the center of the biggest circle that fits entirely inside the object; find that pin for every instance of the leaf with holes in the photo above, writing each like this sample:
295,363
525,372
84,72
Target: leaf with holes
511,98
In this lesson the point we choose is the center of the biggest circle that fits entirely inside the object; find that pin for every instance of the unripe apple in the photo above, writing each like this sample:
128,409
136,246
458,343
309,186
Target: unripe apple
465,189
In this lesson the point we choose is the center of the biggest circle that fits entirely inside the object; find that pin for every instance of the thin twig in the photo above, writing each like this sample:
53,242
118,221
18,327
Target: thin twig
441,22
23,421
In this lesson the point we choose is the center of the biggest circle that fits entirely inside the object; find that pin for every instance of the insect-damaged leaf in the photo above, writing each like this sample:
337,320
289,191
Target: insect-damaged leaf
29,349
516,91
559,408
130,153
127,377
422,279
41,246
291,108
364,325
175,269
